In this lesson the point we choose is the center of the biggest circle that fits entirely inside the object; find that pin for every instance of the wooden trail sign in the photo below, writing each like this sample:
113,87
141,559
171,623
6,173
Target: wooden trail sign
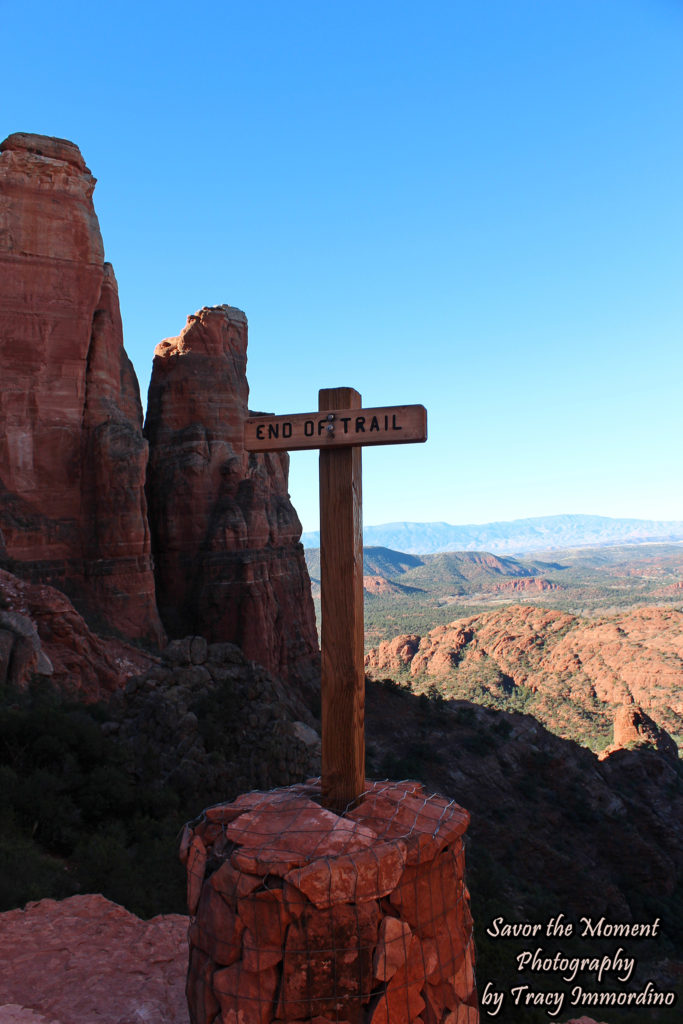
339,429
398,424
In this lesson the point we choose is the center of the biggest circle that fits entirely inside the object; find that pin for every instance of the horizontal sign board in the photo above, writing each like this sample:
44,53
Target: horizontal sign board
395,424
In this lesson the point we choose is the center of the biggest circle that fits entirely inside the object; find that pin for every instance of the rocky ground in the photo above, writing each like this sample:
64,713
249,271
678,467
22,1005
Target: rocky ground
43,636
205,720
554,828
86,959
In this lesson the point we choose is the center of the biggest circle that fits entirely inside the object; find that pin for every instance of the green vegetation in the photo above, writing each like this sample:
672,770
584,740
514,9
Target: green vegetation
592,584
74,820
386,618
433,590
71,817
486,685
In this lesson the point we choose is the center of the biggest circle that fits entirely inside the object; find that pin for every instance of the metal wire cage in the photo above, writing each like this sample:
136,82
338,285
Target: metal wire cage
300,914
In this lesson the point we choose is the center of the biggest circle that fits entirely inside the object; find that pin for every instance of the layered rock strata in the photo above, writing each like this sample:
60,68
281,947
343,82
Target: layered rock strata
229,565
73,459
301,915
72,454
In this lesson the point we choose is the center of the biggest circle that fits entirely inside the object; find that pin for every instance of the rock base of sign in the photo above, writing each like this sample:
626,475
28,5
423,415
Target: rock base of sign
302,915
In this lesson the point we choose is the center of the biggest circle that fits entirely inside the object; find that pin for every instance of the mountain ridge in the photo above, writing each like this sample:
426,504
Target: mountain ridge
518,536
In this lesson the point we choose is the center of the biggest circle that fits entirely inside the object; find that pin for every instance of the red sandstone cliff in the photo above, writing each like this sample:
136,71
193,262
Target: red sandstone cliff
225,536
73,459
72,454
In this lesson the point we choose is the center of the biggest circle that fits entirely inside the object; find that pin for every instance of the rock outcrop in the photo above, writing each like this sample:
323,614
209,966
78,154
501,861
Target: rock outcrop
72,454
42,634
85,959
74,461
633,728
225,536
551,826
380,585
209,724
530,584
571,669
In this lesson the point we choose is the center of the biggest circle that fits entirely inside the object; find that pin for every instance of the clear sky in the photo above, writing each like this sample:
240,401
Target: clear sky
474,205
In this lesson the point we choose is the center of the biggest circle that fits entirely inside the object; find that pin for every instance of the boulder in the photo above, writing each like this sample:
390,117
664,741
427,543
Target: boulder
633,728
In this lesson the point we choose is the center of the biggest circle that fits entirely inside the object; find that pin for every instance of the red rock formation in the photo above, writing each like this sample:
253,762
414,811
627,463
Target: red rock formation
632,727
72,455
672,590
379,585
41,633
85,959
393,654
569,661
225,536
526,585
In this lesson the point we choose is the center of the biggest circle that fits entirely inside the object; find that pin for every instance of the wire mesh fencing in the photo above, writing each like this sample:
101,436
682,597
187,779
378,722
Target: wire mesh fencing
300,914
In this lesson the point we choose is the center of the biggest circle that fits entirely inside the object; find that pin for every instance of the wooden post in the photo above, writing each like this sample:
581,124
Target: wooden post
341,579
339,429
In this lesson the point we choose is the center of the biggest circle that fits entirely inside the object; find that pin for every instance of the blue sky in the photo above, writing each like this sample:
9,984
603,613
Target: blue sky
473,205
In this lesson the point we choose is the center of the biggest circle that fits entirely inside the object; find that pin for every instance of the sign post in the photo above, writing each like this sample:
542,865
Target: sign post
339,429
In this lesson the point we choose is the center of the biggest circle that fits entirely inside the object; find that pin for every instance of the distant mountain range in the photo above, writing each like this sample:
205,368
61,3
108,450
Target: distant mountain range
543,533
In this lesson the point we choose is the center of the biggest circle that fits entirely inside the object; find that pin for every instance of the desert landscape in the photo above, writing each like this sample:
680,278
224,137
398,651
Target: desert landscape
159,654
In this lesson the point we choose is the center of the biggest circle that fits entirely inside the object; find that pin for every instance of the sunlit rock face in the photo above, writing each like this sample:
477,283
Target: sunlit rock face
74,475
72,454
229,563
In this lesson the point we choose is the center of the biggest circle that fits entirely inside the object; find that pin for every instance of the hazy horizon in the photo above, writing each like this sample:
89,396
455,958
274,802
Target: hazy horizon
517,536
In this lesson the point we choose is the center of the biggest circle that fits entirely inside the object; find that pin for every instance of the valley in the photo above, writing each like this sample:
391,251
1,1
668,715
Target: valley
414,593
570,637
